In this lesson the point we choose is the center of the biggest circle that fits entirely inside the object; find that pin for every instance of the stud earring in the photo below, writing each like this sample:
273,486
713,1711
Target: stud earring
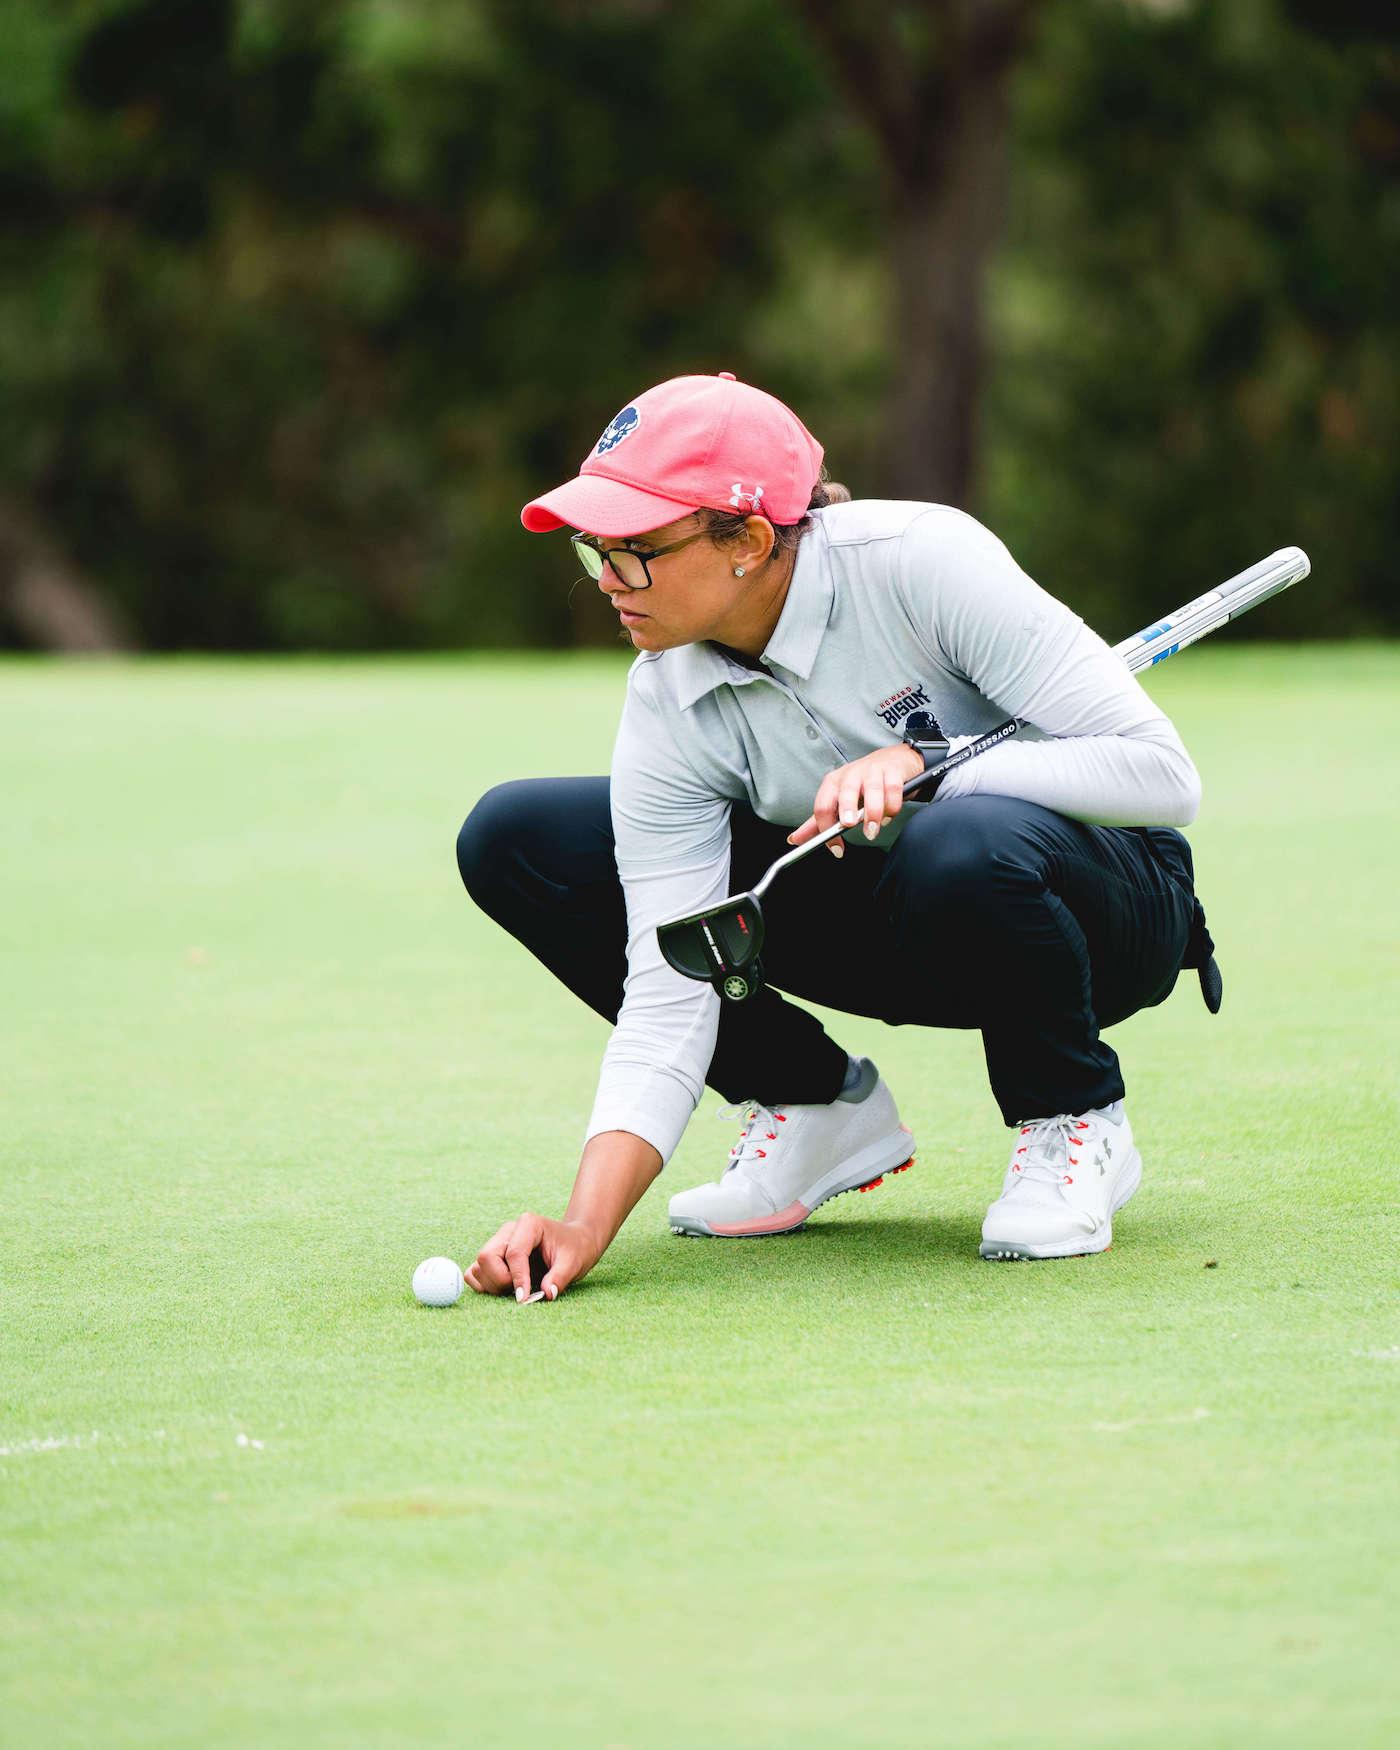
738,571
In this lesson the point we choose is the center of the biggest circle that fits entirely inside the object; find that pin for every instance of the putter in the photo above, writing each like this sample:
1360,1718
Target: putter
723,944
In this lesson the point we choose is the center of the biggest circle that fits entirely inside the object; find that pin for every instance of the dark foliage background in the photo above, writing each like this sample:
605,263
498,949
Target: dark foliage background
300,301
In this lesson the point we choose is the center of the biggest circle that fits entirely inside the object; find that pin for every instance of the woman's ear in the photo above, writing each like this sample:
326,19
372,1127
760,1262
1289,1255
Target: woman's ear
754,545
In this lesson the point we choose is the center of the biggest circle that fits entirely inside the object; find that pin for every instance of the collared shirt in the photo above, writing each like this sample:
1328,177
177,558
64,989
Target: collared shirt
892,607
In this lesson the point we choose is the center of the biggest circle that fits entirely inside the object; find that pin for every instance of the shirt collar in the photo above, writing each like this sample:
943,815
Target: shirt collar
700,668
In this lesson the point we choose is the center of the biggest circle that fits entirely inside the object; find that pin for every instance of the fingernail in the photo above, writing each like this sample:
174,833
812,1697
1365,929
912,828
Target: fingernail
837,848
554,1291
848,817
872,827
520,1294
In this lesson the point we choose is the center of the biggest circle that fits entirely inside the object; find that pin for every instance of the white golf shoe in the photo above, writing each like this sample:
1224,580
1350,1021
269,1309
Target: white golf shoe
791,1159
1066,1178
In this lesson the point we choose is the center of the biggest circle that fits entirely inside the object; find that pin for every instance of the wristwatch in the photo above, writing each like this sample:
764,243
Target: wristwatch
922,733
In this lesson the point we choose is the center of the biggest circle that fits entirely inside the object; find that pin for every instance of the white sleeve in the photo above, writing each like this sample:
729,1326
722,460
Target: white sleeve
673,855
1113,757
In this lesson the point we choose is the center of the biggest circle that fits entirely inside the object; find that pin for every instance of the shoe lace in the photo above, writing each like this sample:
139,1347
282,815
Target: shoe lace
1050,1148
760,1127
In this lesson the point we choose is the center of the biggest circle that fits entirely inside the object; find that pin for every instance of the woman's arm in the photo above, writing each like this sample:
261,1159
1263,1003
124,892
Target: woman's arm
672,845
671,836
1114,758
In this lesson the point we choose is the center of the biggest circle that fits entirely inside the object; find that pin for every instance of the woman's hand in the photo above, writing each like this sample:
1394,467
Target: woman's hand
875,782
616,1169
570,1248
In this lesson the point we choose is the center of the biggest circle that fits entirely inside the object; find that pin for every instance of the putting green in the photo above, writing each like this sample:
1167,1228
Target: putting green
261,1056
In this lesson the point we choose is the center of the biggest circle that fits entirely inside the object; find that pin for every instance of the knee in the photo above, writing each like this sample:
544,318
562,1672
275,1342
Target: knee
485,837
962,853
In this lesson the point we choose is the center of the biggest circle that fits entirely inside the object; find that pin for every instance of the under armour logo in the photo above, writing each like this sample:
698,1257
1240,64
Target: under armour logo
738,497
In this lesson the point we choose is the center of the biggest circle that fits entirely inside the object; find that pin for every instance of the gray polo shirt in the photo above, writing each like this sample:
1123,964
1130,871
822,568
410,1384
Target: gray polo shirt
892,607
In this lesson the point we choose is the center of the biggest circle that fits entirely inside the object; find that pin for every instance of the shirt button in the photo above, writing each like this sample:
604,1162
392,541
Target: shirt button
811,735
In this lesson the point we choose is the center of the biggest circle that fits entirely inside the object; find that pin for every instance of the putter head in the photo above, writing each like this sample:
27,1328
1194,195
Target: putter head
719,947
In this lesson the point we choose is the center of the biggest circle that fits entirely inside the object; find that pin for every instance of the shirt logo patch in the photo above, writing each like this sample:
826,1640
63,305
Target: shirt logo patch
622,427
896,708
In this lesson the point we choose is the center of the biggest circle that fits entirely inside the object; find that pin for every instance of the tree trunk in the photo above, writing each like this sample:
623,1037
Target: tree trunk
930,79
45,597
944,232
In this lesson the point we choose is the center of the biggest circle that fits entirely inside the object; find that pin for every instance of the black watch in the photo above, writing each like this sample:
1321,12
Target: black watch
922,733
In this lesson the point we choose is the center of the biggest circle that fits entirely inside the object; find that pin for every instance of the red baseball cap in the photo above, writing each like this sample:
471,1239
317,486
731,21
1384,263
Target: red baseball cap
689,442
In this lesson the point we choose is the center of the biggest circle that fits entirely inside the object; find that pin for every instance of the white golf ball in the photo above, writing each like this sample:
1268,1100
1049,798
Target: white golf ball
437,1282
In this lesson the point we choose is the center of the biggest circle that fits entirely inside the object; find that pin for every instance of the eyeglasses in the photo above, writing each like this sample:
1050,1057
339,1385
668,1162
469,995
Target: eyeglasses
629,562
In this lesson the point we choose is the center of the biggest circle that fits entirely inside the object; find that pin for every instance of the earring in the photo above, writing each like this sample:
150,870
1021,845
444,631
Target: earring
738,571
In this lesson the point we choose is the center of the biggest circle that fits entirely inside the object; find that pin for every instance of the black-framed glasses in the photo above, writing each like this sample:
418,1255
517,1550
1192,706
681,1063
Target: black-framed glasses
628,561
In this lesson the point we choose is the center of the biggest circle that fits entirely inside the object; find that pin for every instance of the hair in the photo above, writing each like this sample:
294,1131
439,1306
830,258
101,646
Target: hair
724,526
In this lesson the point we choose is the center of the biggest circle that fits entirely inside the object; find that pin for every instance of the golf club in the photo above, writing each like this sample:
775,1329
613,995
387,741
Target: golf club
722,944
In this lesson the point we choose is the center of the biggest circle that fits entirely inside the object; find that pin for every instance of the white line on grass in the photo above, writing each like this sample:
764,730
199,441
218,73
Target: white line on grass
48,1443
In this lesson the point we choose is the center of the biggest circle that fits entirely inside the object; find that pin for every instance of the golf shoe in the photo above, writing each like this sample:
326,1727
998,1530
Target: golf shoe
1066,1178
791,1159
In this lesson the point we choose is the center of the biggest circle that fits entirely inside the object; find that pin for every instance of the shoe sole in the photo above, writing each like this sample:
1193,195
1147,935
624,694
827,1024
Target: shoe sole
791,1220
1011,1252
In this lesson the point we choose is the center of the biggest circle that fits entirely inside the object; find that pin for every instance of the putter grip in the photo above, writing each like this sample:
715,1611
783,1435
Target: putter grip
1003,732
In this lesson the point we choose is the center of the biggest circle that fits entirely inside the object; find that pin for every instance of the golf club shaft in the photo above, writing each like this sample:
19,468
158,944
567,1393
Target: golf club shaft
1145,649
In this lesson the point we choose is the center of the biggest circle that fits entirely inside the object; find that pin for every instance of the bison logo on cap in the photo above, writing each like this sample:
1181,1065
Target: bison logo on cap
622,427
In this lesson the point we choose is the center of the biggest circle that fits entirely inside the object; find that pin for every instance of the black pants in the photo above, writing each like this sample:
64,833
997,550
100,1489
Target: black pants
987,913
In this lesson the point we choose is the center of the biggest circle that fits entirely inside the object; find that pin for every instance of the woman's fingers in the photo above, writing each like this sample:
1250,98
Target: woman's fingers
564,1264
493,1279
809,829
884,798
569,1250
873,786
528,1232
827,806
490,1274
849,797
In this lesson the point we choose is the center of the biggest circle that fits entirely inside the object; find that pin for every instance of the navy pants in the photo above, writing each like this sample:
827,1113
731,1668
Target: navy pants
987,913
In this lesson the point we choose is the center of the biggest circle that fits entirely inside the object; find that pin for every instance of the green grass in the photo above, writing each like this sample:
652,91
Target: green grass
853,1488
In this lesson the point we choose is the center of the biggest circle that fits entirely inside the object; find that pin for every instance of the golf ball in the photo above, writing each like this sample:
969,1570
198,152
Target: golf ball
437,1282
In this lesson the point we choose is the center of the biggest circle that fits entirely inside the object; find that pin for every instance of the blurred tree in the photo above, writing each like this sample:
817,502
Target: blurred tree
1198,337
301,299
931,79
44,598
